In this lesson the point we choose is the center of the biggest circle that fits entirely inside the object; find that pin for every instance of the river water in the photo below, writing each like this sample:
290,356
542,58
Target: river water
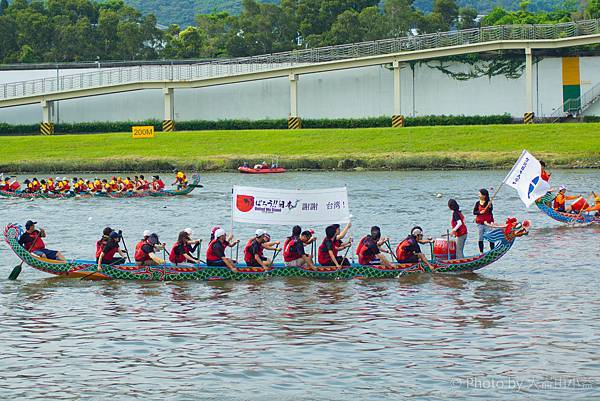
525,327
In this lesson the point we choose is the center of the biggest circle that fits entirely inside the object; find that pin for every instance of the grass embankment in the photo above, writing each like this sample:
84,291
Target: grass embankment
566,145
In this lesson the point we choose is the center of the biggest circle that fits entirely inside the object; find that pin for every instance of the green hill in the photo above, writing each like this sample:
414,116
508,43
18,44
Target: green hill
182,12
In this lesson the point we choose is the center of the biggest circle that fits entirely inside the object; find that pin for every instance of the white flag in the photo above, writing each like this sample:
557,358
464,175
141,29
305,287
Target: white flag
526,178
290,207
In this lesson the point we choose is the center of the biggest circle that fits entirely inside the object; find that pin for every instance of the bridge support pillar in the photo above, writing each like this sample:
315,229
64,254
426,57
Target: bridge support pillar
294,122
47,127
529,81
169,100
397,117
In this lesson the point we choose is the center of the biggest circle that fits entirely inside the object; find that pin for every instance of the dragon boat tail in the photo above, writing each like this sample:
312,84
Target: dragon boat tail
545,205
128,194
504,239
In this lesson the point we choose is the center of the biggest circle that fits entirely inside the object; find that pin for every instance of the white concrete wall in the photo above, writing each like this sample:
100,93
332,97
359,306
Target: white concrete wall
365,92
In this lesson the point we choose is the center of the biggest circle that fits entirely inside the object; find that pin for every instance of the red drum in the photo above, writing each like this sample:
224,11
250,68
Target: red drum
579,205
440,249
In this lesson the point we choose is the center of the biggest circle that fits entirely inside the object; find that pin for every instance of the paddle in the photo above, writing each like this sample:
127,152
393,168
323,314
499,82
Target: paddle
387,243
125,246
14,274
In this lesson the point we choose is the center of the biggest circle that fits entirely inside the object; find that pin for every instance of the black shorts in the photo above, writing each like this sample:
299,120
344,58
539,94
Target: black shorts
412,259
254,263
219,263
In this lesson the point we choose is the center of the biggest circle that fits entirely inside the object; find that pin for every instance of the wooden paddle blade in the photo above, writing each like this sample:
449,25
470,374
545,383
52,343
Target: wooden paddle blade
15,272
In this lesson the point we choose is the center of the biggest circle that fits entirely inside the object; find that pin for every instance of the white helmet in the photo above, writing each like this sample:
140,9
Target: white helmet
189,231
260,232
220,232
147,233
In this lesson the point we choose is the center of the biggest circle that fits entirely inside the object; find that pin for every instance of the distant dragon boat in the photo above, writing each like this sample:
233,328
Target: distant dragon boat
503,237
545,205
127,194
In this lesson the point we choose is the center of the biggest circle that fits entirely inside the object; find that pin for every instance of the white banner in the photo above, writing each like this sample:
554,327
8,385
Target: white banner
526,178
290,207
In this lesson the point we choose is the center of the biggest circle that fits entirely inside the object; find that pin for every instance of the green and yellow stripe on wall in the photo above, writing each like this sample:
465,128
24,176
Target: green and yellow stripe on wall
571,83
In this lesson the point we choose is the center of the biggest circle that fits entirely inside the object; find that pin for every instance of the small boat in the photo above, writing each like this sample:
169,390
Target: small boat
545,205
269,170
129,194
504,239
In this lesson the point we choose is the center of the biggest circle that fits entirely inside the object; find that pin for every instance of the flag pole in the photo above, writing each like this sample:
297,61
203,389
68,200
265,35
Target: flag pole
507,175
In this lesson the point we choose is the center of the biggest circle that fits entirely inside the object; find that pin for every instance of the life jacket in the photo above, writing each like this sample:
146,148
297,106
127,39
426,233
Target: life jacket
114,187
98,185
403,251
290,253
181,178
463,228
44,188
559,202
51,186
174,257
4,185
140,255
145,185
76,188
248,256
161,184
364,258
323,253
100,246
36,186
30,187
128,185
545,175
66,186
487,217
210,255
107,188
37,242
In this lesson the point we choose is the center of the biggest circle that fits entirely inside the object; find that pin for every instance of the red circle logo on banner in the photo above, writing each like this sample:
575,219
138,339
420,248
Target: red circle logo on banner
244,203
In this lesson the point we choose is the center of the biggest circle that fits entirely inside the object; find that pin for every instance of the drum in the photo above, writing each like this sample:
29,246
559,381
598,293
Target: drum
440,249
579,205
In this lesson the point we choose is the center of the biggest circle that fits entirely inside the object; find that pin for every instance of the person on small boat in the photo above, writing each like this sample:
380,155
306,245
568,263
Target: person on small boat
484,215
245,164
51,185
32,241
106,186
409,251
157,183
145,251
215,254
254,250
66,187
545,175
294,254
108,251
180,180
369,251
13,186
560,201
459,228
328,252
182,249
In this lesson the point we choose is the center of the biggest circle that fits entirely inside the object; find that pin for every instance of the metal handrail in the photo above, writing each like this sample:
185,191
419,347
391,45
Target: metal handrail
576,106
294,58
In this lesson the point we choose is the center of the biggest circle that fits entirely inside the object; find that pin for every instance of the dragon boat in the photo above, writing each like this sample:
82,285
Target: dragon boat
503,237
545,205
129,194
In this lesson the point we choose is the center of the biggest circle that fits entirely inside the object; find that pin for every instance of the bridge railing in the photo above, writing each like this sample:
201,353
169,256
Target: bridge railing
242,65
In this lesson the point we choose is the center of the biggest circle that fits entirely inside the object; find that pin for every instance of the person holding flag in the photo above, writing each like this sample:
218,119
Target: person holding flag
526,178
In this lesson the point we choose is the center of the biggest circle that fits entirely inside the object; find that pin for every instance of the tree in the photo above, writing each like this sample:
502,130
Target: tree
593,9
447,11
467,18
400,16
3,6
